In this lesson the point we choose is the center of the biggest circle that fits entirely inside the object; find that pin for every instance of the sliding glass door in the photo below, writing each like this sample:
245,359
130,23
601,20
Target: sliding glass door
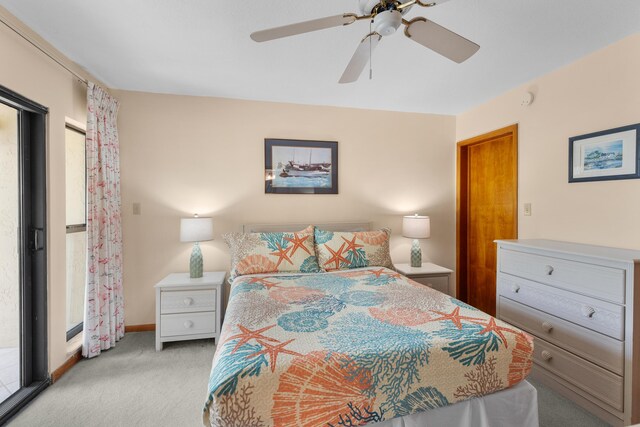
9,254
23,351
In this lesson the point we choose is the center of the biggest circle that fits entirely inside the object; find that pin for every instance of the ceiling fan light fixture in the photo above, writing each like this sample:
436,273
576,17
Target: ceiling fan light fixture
386,23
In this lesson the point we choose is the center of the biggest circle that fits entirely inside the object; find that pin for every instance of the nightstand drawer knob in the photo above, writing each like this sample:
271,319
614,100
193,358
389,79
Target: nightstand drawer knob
546,355
515,289
549,269
548,327
188,324
188,301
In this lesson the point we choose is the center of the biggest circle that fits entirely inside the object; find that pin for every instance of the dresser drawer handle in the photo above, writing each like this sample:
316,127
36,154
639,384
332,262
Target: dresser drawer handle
546,355
587,311
548,327
515,289
549,270
188,301
188,324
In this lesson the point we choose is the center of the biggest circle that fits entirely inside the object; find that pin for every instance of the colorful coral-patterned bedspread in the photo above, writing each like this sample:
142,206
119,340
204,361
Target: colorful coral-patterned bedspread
353,347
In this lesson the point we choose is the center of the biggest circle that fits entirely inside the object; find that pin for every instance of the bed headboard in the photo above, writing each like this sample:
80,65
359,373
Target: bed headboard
330,226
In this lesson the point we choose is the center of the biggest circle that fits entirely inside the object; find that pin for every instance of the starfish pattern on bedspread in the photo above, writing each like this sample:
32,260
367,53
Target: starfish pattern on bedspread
248,335
492,326
454,316
273,351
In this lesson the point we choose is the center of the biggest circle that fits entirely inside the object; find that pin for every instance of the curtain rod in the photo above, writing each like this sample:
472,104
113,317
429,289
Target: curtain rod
41,49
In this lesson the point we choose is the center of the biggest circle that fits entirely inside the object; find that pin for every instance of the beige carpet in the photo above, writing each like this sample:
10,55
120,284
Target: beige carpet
132,385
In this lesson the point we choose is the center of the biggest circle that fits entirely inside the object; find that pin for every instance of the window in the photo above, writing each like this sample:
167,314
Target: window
75,163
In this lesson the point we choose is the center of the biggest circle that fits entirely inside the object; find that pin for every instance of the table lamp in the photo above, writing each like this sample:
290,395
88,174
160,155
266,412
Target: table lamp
416,227
196,230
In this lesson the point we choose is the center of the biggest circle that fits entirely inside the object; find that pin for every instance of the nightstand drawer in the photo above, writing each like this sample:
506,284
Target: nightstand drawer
588,279
188,324
187,301
600,349
440,283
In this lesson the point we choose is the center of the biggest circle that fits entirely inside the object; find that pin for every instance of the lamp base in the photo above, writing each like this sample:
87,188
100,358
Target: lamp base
416,254
195,262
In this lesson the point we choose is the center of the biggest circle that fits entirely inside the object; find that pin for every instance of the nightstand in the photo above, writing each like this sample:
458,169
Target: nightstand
188,309
429,274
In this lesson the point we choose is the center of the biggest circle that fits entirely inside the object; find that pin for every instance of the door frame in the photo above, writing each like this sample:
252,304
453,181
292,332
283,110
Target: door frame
32,140
462,202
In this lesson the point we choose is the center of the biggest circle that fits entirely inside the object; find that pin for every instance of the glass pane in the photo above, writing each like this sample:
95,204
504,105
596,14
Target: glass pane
75,176
76,265
9,255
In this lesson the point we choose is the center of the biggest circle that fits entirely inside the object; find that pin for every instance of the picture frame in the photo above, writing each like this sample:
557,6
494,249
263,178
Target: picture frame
610,154
293,166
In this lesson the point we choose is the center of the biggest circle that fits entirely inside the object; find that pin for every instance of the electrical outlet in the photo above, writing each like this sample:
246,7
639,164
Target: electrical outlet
136,208
527,209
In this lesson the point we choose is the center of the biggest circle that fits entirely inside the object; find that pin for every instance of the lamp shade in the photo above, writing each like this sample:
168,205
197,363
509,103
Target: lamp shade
416,227
196,229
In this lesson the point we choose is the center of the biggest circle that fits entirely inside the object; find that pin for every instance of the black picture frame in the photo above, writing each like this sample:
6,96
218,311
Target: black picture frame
623,158
299,170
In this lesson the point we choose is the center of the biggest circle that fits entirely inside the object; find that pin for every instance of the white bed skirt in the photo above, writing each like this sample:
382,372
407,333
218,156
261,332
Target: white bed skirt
515,406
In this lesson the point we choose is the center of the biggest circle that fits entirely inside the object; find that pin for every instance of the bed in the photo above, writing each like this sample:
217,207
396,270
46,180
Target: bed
362,346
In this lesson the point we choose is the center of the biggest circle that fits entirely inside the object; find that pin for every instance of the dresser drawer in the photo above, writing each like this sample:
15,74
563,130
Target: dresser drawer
597,315
598,382
593,346
187,301
188,324
588,279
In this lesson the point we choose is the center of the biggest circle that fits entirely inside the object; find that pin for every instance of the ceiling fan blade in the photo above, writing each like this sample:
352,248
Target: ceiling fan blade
304,27
423,3
441,40
430,3
360,58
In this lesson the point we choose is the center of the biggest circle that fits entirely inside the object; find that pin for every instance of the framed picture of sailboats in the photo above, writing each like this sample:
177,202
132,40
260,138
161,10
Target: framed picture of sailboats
294,166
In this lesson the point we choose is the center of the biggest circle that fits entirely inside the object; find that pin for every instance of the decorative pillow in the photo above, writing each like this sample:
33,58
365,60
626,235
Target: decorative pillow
256,253
343,250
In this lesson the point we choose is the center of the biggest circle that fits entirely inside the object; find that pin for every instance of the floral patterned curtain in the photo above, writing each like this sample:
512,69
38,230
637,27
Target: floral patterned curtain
104,302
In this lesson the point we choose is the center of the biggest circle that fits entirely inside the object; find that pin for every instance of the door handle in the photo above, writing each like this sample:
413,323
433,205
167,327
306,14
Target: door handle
37,239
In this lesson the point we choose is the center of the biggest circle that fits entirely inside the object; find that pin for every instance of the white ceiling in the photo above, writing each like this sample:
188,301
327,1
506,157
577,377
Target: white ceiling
202,47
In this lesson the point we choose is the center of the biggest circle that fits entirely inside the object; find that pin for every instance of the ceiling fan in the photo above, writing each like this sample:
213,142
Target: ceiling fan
385,17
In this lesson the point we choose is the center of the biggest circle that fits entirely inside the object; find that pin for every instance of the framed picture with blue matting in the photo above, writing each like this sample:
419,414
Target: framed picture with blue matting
606,155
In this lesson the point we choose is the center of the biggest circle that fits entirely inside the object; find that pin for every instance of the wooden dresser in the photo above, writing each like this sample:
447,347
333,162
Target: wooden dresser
582,305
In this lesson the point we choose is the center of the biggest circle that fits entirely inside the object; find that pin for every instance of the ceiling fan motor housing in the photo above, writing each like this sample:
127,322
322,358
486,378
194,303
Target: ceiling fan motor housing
366,6
387,22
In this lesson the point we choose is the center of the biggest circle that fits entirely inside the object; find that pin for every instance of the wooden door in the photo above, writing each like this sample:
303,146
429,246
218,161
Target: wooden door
487,209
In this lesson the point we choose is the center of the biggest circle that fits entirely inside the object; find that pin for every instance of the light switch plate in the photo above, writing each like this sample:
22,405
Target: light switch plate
137,209
527,209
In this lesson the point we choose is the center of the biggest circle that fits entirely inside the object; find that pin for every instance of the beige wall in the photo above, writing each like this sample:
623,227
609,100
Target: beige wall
598,92
181,155
28,72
